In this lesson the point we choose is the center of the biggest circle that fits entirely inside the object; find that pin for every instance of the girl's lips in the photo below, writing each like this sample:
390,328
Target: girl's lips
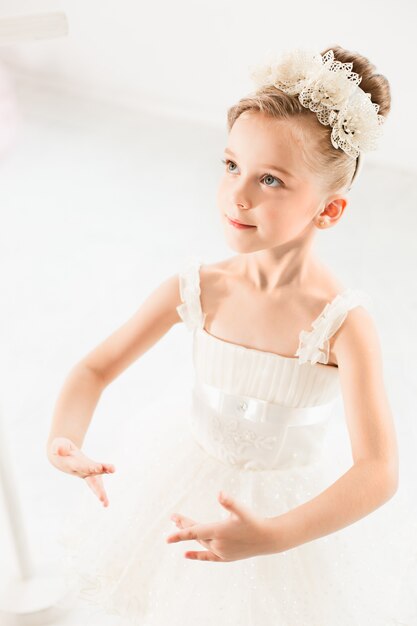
238,225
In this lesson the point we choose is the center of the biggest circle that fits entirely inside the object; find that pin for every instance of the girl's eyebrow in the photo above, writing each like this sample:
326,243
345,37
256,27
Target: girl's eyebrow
270,167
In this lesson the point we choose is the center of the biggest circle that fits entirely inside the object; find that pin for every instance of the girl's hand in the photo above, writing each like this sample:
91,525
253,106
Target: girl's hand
241,536
67,457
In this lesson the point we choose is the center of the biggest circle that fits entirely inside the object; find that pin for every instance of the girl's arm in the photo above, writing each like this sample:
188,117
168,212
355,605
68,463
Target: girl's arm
86,381
373,478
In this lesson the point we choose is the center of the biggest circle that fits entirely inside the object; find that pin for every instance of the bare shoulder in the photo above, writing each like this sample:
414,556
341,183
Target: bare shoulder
357,340
213,275
367,406
212,270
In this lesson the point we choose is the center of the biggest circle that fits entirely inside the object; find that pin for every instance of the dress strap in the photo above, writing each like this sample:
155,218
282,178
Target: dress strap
314,344
189,280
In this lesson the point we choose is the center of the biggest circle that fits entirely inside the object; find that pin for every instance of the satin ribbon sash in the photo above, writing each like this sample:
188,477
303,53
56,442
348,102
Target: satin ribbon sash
259,411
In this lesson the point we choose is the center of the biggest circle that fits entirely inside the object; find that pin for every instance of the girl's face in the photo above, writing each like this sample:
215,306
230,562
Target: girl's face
267,184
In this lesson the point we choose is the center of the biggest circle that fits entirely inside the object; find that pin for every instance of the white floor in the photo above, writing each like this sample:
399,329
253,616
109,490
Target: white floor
98,206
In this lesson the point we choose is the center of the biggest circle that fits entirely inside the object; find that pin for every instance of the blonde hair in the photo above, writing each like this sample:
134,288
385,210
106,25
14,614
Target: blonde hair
335,168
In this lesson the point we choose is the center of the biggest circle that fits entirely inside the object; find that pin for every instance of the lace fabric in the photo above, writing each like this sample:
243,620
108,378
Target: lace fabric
251,433
190,310
314,345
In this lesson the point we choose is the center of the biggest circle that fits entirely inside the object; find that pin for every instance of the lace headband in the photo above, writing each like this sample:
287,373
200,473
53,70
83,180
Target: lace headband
330,89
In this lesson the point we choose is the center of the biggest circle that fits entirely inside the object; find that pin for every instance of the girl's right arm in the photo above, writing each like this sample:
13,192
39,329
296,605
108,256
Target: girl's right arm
86,381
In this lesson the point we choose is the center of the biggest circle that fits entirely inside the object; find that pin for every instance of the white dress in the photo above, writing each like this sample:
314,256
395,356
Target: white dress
263,428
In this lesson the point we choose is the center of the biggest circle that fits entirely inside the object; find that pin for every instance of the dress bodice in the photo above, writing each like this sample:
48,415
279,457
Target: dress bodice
258,409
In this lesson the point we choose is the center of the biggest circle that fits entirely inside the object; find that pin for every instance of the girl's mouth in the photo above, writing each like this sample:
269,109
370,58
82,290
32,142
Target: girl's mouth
238,225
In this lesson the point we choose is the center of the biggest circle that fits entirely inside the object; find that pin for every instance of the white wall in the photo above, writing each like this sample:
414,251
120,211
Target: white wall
191,58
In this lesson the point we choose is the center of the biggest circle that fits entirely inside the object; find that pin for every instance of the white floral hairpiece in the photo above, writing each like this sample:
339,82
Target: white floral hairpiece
330,89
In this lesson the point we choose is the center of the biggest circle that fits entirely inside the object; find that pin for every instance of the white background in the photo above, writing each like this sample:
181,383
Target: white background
111,183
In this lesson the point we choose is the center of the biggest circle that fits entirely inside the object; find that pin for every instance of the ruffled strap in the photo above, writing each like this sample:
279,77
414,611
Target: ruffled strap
314,344
189,279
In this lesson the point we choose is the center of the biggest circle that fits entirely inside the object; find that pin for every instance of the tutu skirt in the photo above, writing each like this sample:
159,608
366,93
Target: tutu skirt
118,561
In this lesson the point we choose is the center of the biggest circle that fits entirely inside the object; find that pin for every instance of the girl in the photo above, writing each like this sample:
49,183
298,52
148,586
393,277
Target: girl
285,537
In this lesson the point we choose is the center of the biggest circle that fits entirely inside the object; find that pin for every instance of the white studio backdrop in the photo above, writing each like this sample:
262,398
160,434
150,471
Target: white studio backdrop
190,58
111,182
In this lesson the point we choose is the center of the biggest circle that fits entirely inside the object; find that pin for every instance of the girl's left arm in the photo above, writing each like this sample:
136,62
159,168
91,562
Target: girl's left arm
373,477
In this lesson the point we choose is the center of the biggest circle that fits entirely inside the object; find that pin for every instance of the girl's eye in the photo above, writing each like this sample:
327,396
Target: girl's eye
228,161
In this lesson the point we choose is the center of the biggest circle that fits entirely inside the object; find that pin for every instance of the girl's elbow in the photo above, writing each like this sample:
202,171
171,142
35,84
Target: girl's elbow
391,480
384,478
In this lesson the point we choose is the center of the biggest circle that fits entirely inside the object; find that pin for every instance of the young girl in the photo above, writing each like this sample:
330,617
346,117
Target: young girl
282,534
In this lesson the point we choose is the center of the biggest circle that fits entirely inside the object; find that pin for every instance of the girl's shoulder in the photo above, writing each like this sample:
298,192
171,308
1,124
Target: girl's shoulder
200,276
198,279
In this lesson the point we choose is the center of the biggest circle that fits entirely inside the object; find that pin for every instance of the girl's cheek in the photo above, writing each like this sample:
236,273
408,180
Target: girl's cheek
270,219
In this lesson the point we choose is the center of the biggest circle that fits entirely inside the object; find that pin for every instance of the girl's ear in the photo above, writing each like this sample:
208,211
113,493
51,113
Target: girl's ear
336,206
332,212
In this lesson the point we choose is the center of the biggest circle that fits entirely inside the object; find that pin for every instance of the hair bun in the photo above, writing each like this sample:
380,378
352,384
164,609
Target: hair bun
373,83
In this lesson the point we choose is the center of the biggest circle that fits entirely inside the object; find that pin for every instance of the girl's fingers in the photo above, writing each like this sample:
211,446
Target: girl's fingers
81,468
96,485
87,467
95,466
102,468
107,467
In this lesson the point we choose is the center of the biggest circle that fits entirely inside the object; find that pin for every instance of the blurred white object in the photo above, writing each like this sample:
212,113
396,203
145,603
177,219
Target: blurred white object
29,27
8,112
14,30
30,598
